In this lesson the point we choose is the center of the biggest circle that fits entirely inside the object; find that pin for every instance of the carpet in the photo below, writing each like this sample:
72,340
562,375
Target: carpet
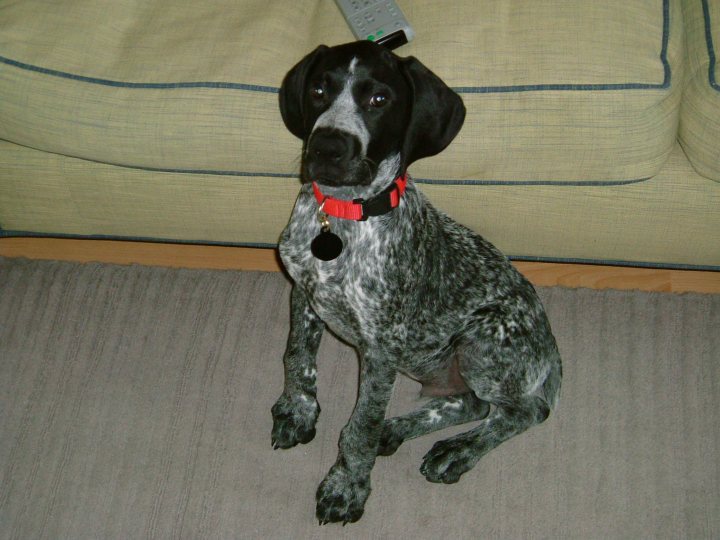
135,403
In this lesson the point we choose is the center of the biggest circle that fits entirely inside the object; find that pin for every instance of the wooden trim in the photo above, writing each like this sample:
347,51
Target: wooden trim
146,253
620,277
239,258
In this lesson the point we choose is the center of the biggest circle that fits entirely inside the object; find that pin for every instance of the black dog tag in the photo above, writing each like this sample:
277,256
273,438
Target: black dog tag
326,246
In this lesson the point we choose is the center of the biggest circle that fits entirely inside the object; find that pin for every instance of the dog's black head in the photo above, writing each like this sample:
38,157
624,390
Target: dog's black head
362,111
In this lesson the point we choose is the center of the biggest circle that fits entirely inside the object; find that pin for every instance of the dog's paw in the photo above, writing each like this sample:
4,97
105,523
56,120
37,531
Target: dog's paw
447,460
341,497
294,419
390,440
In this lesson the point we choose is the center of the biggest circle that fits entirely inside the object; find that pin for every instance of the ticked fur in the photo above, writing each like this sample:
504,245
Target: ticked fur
413,291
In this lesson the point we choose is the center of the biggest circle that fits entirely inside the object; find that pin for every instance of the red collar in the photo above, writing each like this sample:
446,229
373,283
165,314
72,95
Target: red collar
360,209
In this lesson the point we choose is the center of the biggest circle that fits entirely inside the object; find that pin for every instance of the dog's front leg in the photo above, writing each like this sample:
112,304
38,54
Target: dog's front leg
342,494
296,411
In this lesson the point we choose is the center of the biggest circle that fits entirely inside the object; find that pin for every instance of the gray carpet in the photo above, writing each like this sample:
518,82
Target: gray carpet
134,403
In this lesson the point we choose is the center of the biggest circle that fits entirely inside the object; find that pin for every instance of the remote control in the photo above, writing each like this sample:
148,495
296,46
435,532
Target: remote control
381,22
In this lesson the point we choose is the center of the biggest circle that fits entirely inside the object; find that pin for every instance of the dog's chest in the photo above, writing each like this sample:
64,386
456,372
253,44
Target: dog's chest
351,294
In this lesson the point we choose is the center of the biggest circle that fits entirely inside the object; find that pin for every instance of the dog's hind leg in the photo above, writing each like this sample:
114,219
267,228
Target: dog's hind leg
447,460
523,393
436,414
511,361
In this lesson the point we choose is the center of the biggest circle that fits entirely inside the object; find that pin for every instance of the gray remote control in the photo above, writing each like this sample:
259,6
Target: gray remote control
381,22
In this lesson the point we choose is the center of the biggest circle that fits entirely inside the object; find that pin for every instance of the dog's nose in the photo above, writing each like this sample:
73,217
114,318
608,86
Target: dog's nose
330,146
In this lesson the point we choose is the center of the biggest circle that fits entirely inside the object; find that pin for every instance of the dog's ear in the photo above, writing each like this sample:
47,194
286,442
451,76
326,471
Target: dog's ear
437,113
292,92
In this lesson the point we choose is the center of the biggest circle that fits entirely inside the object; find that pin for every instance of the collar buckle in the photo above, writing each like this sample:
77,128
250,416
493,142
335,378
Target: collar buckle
380,204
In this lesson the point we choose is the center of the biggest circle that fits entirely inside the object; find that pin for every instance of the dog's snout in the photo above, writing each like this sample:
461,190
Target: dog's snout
330,155
331,146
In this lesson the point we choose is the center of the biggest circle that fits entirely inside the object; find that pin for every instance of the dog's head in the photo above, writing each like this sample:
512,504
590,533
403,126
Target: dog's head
358,108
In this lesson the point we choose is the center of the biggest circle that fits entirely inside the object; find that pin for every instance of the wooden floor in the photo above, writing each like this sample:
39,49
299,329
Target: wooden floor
236,258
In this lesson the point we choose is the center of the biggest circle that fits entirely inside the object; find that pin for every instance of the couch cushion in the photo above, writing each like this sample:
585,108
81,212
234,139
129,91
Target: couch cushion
557,91
700,117
670,219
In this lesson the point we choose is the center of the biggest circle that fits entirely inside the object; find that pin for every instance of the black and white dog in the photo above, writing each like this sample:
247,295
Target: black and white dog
413,291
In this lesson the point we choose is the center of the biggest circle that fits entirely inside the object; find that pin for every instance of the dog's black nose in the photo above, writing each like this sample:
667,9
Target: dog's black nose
331,146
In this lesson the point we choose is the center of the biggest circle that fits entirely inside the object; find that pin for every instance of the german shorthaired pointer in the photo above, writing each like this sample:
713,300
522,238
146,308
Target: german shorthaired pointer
412,290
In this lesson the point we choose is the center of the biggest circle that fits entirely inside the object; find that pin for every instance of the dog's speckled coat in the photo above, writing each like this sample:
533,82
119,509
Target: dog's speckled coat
413,291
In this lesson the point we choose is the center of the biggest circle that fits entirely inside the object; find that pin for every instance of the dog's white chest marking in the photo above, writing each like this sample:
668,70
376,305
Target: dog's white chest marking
344,114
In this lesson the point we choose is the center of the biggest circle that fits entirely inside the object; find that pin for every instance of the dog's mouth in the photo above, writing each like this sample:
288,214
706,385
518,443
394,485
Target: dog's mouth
358,172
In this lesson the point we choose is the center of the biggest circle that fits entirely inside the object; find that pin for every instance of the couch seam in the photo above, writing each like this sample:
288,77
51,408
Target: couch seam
712,59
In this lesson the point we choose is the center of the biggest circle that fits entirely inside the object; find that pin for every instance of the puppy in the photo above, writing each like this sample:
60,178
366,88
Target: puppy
412,290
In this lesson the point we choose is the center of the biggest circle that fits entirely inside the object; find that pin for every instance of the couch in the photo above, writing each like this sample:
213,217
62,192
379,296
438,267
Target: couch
592,132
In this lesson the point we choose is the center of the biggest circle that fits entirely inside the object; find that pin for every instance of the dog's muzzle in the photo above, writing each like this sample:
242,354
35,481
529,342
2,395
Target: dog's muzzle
331,155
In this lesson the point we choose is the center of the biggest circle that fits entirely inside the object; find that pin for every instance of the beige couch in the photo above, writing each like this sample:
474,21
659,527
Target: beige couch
592,133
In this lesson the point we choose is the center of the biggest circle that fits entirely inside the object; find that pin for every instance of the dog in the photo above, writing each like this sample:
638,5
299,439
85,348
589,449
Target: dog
413,291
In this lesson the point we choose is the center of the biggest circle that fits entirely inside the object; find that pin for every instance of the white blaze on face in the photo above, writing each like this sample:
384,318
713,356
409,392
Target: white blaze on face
344,114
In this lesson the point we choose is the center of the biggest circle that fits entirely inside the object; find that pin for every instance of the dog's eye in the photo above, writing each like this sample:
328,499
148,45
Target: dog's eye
317,92
378,100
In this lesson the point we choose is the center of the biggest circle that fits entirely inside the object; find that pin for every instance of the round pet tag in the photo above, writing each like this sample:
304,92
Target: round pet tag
326,246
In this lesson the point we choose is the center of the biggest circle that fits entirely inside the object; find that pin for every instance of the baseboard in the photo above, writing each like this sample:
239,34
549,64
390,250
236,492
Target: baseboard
243,258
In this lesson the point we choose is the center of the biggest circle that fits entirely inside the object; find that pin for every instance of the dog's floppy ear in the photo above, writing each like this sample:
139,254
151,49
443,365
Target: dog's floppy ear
437,113
292,92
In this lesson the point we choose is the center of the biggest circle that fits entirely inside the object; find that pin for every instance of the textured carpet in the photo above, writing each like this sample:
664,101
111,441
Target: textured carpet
134,403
